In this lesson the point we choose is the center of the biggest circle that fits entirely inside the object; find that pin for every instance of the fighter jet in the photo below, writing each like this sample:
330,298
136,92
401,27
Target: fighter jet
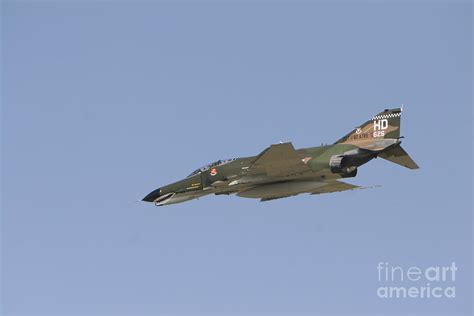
282,171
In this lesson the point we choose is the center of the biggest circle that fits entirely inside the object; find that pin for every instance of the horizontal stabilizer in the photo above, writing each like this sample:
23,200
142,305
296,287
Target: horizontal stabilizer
399,156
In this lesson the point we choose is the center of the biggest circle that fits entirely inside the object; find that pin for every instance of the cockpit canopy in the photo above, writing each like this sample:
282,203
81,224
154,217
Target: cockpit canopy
208,166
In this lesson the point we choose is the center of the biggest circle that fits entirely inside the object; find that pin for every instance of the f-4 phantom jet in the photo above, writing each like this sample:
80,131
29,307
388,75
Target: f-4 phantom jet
282,171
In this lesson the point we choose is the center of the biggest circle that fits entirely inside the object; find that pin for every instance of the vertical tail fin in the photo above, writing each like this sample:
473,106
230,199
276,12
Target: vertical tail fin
381,136
384,125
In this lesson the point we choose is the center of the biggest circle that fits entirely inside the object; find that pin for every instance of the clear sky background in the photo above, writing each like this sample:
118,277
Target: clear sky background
104,101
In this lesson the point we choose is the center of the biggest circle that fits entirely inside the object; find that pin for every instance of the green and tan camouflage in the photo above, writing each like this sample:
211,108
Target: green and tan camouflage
281,171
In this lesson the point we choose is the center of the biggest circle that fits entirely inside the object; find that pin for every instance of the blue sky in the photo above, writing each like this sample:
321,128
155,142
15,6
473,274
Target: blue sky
103,102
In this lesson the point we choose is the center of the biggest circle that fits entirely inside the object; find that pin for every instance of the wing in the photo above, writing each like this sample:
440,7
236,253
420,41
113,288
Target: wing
338,186
275,197
277,161
335,186
329,187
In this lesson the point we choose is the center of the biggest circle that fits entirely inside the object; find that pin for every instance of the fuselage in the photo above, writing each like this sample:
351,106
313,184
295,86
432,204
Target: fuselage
232,176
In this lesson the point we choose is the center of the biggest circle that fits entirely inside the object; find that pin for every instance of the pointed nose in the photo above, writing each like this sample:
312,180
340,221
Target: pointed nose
152,196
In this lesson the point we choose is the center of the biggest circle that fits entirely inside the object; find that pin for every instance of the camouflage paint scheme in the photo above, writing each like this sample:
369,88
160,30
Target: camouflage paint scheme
281,171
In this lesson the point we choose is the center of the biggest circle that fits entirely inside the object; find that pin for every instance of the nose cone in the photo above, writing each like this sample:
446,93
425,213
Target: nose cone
152,196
